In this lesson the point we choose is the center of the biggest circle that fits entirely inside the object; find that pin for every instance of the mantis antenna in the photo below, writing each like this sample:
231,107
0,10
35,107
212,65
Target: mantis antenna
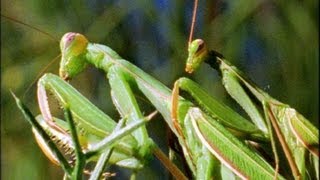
195,7
40,74
43,32
32,27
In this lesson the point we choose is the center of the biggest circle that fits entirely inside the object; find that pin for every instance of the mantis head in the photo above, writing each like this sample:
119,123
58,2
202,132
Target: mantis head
73,48
197,54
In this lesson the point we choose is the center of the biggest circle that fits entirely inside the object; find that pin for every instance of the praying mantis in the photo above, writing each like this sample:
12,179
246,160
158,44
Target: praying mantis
196,130
193,113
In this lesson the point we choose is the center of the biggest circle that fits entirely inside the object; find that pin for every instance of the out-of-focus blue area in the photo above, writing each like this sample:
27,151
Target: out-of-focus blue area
274,42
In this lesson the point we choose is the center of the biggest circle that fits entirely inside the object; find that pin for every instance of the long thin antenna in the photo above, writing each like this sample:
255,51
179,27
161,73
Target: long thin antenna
40,73
195,7
43,32
32,27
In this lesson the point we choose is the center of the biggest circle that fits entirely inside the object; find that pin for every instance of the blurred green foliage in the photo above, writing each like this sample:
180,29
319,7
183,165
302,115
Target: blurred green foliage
275,42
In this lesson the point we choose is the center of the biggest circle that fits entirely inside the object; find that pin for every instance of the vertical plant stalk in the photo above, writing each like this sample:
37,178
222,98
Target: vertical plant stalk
80,157
34,123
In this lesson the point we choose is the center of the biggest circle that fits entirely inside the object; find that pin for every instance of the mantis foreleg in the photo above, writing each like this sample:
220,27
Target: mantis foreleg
227,148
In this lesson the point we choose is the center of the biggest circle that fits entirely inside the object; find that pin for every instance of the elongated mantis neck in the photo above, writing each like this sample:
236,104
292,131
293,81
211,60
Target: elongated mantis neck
218,62
224,65
199,53
102,57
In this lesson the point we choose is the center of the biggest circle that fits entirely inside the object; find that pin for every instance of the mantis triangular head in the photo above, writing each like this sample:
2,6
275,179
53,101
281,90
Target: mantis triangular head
73,48
197,54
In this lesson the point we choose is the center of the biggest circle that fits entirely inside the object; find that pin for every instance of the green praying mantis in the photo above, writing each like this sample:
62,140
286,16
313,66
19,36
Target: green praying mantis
216,141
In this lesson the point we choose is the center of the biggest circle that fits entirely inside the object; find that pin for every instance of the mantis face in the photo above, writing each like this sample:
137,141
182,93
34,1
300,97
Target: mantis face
197,54
73,48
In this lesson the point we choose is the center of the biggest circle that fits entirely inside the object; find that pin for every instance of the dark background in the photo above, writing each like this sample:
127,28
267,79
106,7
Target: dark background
274,42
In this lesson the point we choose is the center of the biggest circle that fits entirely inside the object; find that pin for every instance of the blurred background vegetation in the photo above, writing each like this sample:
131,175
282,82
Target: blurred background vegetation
274,42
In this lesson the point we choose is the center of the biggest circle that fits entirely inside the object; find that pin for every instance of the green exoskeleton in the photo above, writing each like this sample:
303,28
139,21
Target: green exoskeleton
208,131
298,138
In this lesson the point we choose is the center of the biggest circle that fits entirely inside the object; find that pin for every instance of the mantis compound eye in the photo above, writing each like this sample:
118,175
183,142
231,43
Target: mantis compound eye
67,40
69,37
201,45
